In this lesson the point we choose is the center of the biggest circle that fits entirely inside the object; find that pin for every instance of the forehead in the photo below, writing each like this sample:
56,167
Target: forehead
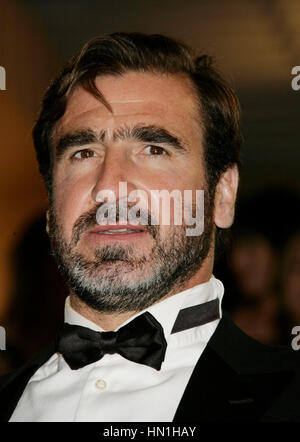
165,100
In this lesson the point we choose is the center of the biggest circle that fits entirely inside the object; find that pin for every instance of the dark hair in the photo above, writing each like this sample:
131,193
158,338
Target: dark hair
118,53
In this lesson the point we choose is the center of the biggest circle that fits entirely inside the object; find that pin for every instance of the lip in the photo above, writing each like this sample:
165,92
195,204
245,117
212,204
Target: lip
117,227
137,232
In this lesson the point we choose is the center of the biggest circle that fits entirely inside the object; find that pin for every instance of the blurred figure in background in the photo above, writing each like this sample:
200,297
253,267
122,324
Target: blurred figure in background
264,289
36,309
290,279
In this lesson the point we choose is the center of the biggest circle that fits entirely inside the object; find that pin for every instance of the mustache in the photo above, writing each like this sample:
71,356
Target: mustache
88,220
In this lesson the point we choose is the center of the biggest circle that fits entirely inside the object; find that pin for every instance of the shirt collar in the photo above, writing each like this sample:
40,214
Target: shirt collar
165,311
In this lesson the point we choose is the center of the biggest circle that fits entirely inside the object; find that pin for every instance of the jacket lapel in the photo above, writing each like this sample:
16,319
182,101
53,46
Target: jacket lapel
235,379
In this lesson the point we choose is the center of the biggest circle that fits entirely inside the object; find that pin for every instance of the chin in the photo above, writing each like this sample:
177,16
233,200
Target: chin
122,270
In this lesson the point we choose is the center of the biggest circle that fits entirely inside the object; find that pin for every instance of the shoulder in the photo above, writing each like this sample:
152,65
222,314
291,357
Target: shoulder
13,384
245,354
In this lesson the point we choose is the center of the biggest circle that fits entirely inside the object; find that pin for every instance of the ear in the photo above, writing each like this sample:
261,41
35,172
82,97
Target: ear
225,197
47,221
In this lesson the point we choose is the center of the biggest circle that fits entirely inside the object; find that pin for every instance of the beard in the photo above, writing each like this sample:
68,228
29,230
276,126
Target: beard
115,279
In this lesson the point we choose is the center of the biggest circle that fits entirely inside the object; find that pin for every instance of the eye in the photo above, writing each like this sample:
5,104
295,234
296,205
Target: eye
155,150
83,154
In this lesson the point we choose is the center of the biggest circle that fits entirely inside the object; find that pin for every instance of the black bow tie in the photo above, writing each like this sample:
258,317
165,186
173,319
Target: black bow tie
141,340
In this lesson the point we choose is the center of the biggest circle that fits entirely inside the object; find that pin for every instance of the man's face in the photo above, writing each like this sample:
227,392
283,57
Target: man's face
152,140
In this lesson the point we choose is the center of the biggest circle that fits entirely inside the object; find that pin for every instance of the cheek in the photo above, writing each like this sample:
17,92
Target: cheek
72,198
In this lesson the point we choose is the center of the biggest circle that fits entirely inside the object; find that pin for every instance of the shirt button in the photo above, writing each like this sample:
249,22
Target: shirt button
100,384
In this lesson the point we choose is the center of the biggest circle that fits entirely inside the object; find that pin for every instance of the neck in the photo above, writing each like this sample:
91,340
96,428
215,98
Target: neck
111,321
107,321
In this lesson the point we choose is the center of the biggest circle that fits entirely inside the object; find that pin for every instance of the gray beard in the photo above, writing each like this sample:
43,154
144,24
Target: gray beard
172,262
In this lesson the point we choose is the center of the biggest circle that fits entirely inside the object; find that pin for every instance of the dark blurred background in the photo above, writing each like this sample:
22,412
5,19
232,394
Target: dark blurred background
256,43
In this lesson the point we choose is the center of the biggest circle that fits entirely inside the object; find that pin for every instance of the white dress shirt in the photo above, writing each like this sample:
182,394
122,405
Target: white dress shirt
115,389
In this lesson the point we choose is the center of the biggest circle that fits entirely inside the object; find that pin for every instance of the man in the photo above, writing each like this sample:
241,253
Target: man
145,338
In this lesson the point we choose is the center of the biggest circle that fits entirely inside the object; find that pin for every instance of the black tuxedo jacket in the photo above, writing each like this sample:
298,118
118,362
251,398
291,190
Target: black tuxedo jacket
236,379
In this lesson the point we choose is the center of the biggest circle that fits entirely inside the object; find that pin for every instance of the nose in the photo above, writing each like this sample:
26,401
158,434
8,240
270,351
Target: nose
115,169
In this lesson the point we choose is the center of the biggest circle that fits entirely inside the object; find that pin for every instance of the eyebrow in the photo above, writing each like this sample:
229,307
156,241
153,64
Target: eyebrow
149,134
146,134
78,138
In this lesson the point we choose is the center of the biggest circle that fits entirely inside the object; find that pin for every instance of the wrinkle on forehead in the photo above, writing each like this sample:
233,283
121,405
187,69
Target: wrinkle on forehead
93,107
132,87
133,111
127,101
148,98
